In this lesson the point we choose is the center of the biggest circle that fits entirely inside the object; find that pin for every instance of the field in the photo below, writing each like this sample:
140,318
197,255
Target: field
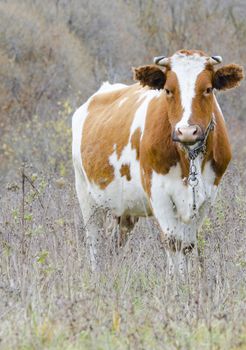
53,56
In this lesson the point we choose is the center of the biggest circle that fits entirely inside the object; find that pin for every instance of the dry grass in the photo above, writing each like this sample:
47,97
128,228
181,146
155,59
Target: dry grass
49,299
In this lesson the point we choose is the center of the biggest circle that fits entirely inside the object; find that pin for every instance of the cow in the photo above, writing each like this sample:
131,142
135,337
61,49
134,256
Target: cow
158,147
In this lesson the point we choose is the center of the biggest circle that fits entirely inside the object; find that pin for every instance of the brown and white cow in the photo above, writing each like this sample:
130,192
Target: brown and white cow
133,145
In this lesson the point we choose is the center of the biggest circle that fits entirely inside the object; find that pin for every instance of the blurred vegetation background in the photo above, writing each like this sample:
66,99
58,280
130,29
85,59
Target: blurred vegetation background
53,55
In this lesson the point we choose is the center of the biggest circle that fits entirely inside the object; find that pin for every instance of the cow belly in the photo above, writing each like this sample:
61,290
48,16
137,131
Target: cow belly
121,197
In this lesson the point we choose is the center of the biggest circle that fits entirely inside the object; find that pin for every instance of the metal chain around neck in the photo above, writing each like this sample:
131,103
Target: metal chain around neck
193,154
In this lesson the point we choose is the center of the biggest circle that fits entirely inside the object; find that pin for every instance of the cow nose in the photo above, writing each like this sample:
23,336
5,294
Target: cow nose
188,134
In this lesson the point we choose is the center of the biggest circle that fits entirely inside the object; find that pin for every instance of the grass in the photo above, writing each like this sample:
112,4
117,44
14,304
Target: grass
50,300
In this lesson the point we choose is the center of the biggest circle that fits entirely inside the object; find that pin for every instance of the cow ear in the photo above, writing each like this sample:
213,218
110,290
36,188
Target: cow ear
228,77
150,75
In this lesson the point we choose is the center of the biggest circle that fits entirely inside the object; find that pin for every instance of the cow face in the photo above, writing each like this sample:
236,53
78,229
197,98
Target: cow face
188,80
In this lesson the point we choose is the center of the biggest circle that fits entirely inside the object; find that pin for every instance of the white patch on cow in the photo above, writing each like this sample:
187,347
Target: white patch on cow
218,107
141,96
107,87
187,68
172,200
140,116
123,100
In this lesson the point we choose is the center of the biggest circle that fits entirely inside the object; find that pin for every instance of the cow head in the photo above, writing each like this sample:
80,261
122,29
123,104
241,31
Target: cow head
188,79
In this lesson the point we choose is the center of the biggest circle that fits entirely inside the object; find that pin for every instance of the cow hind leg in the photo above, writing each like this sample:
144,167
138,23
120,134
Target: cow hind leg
92,217
126,224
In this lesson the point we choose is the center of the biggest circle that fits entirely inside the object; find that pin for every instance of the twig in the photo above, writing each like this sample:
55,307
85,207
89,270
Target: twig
23,207
35,189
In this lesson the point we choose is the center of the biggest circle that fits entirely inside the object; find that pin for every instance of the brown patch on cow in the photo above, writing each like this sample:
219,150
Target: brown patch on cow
173,101
135,141
228,77
125,171
218,146
107,129
150,75
184,163
157,150
218,149
191,52
202,104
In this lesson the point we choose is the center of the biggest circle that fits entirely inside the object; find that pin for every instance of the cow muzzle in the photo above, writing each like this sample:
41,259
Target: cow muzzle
188,134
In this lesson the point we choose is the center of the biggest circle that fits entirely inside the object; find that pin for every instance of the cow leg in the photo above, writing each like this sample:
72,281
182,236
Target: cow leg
177,264
178,238
92,217
177,254
126,225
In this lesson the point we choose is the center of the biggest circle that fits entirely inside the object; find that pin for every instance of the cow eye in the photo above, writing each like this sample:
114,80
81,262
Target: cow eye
208,91
168,92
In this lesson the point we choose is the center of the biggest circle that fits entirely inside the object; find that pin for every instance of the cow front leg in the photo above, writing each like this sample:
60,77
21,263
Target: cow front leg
178,252
177,238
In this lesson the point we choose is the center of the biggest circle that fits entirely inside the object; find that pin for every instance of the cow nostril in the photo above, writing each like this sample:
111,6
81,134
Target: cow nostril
195,131
180,132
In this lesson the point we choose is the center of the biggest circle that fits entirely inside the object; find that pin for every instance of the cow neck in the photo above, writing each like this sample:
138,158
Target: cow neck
199,150
218,146
158,153
157,148
184,162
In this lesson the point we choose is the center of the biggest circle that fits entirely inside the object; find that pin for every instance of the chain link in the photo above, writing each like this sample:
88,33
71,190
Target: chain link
193,181
193,153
